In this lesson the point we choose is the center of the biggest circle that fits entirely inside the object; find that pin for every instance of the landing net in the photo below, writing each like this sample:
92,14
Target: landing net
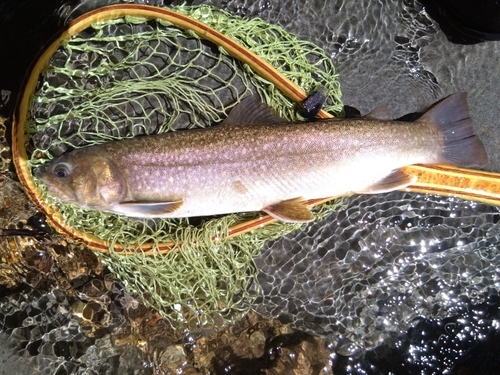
133,76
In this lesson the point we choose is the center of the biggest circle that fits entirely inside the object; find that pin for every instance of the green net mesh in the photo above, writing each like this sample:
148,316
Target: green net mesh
131,76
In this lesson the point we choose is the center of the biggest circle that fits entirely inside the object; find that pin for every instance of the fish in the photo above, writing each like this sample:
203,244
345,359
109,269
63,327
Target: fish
256,161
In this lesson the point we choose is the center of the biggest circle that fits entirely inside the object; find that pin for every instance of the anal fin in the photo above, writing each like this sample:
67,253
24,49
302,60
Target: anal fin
394,181
291,210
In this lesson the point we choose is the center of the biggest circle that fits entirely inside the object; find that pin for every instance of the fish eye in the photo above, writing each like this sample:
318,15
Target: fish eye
61,171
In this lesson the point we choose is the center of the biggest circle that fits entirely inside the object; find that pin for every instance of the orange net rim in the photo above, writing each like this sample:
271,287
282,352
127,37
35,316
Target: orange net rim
441,180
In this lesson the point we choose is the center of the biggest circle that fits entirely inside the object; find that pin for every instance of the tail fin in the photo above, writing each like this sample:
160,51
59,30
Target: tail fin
461,147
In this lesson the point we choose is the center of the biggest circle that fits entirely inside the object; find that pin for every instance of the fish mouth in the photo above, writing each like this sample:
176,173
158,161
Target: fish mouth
54,188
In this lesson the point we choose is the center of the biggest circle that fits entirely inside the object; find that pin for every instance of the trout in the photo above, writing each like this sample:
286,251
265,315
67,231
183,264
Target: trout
256,161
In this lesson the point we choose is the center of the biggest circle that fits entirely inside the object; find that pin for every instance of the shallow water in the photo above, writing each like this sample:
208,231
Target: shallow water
381,273
369,270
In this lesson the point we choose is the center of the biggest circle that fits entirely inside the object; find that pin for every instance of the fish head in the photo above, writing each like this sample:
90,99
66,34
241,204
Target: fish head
85,177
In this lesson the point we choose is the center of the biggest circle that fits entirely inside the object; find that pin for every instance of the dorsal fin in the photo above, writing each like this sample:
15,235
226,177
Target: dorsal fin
251,110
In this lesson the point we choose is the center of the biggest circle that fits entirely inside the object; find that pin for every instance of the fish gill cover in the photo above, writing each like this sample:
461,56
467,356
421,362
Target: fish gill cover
134,76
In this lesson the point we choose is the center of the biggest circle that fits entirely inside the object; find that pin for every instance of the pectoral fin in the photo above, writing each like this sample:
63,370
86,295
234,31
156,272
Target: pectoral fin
396,180
291,210
150,209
